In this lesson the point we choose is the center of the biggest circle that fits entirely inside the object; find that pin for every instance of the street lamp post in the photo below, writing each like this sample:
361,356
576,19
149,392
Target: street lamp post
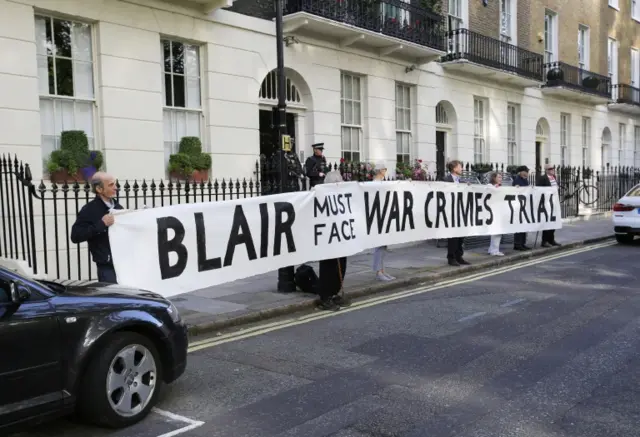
281,121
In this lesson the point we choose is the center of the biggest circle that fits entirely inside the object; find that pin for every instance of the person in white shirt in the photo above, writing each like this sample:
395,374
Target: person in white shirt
495,180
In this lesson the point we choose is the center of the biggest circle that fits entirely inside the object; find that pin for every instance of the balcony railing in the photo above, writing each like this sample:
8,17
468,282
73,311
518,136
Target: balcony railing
393,18
622,93
484,50
561,74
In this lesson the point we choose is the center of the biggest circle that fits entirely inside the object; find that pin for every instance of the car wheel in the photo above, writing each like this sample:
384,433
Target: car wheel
122,381
624,238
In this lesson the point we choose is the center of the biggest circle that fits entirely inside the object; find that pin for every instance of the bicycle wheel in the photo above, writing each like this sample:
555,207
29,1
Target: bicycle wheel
588,195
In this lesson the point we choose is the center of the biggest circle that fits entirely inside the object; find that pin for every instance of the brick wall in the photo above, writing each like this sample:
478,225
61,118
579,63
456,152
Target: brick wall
485,19
524,28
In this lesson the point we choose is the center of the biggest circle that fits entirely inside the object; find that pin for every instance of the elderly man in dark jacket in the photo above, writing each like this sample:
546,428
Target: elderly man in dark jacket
93,222
521,180
455,246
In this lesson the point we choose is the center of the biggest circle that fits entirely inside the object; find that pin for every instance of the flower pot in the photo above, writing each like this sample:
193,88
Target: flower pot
555,74
591,82
200,175
63,176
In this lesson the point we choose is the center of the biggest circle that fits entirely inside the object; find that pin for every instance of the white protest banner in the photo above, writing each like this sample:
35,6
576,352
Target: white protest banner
182,248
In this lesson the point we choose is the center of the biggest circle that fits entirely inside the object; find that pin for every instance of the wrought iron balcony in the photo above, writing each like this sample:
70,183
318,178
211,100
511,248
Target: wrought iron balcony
567,81
490,58
625,98
387,26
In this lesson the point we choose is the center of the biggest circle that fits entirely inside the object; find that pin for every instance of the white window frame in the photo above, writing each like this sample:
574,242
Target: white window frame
612,60
584,46
635,10
55,100
480,112
190,114
636,146
622,139
615,4
565,138
456,14
351,128
586,141
635,72
550,36
403,123
513,122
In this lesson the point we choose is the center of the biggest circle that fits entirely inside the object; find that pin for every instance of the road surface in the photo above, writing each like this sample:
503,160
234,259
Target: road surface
546,349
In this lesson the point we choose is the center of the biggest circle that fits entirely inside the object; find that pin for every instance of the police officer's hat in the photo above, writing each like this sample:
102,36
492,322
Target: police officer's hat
318,146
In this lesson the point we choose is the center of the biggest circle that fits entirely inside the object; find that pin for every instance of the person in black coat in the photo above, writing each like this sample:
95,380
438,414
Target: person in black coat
315,166
521,180
548,179
455,246
93,222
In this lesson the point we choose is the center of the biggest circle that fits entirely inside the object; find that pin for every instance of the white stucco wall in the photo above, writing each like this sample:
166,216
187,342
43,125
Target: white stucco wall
236,53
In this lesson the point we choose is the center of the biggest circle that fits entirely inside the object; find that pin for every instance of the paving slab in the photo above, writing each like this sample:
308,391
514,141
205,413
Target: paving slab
254,298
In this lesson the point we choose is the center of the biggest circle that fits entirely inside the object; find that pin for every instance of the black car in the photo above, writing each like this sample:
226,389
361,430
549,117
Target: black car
99,350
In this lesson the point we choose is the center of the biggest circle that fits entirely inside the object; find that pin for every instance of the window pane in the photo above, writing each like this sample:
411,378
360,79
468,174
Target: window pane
357,116
346,139
407,98
49,144
64,116
193,65
181,124
81,42
355,157
178,91
193,124
398,96
177,52
166,51
167,90
355,139
398,143
84,117
193,93
64,77
47,126
167,126
348,93
62,37
342,111
399,118
407,119
356,88
348,112
43,44
343,86
43,76
83,72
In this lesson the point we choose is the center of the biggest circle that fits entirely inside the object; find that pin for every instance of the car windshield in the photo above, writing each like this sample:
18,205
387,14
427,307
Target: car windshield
635,192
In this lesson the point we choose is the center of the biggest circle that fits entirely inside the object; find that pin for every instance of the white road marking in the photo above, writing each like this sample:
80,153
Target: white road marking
192,424
471,316
278,325
512,303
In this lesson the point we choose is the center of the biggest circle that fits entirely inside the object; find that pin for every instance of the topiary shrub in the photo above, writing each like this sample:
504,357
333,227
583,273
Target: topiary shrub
73,161
190,162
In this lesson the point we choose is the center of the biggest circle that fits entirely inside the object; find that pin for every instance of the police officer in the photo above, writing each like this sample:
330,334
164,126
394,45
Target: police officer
316,166
291,183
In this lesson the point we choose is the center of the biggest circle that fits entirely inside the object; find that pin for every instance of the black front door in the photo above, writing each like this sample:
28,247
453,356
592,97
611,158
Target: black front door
30,367
538,157
441,138
268,139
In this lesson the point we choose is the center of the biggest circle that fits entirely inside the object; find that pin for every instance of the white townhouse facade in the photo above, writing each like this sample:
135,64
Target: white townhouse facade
373,84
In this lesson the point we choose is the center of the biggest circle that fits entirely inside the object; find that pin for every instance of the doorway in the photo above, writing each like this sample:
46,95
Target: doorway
441,145
538,157
268,137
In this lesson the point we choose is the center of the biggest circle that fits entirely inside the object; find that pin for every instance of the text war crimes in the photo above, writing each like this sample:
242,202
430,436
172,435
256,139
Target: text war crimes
336,217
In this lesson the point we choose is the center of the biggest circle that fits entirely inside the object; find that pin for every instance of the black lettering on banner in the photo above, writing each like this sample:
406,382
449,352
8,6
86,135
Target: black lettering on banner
375,209
531,208
317,232
510,198
441,203
522,199
332,204
465,209
407,210
166,246
240,234
394,213
542,209
427,220
340,233
487,206
264,230
453,212
552,217
284,227
392,205
478,204
204,264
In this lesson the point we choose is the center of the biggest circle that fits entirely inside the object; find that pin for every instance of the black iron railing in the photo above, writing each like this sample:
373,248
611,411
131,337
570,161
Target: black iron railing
561,74
484,50
622,93
36,217
394,18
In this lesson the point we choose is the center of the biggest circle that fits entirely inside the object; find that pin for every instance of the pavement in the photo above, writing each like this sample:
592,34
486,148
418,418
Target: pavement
549,347
256,298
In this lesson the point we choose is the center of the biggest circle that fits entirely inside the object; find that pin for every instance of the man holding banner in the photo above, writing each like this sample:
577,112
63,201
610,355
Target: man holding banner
455,246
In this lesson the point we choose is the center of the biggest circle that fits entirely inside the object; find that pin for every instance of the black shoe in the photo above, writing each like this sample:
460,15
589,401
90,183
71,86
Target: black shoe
328,305
463,262
521,248
555,243
545,244
341,301
453,262
286,287
526,247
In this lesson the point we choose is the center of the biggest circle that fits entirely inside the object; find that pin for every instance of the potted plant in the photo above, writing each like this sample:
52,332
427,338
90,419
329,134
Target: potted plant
190,163
73,161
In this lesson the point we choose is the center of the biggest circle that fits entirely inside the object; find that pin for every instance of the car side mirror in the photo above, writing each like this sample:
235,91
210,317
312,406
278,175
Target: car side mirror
19,293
